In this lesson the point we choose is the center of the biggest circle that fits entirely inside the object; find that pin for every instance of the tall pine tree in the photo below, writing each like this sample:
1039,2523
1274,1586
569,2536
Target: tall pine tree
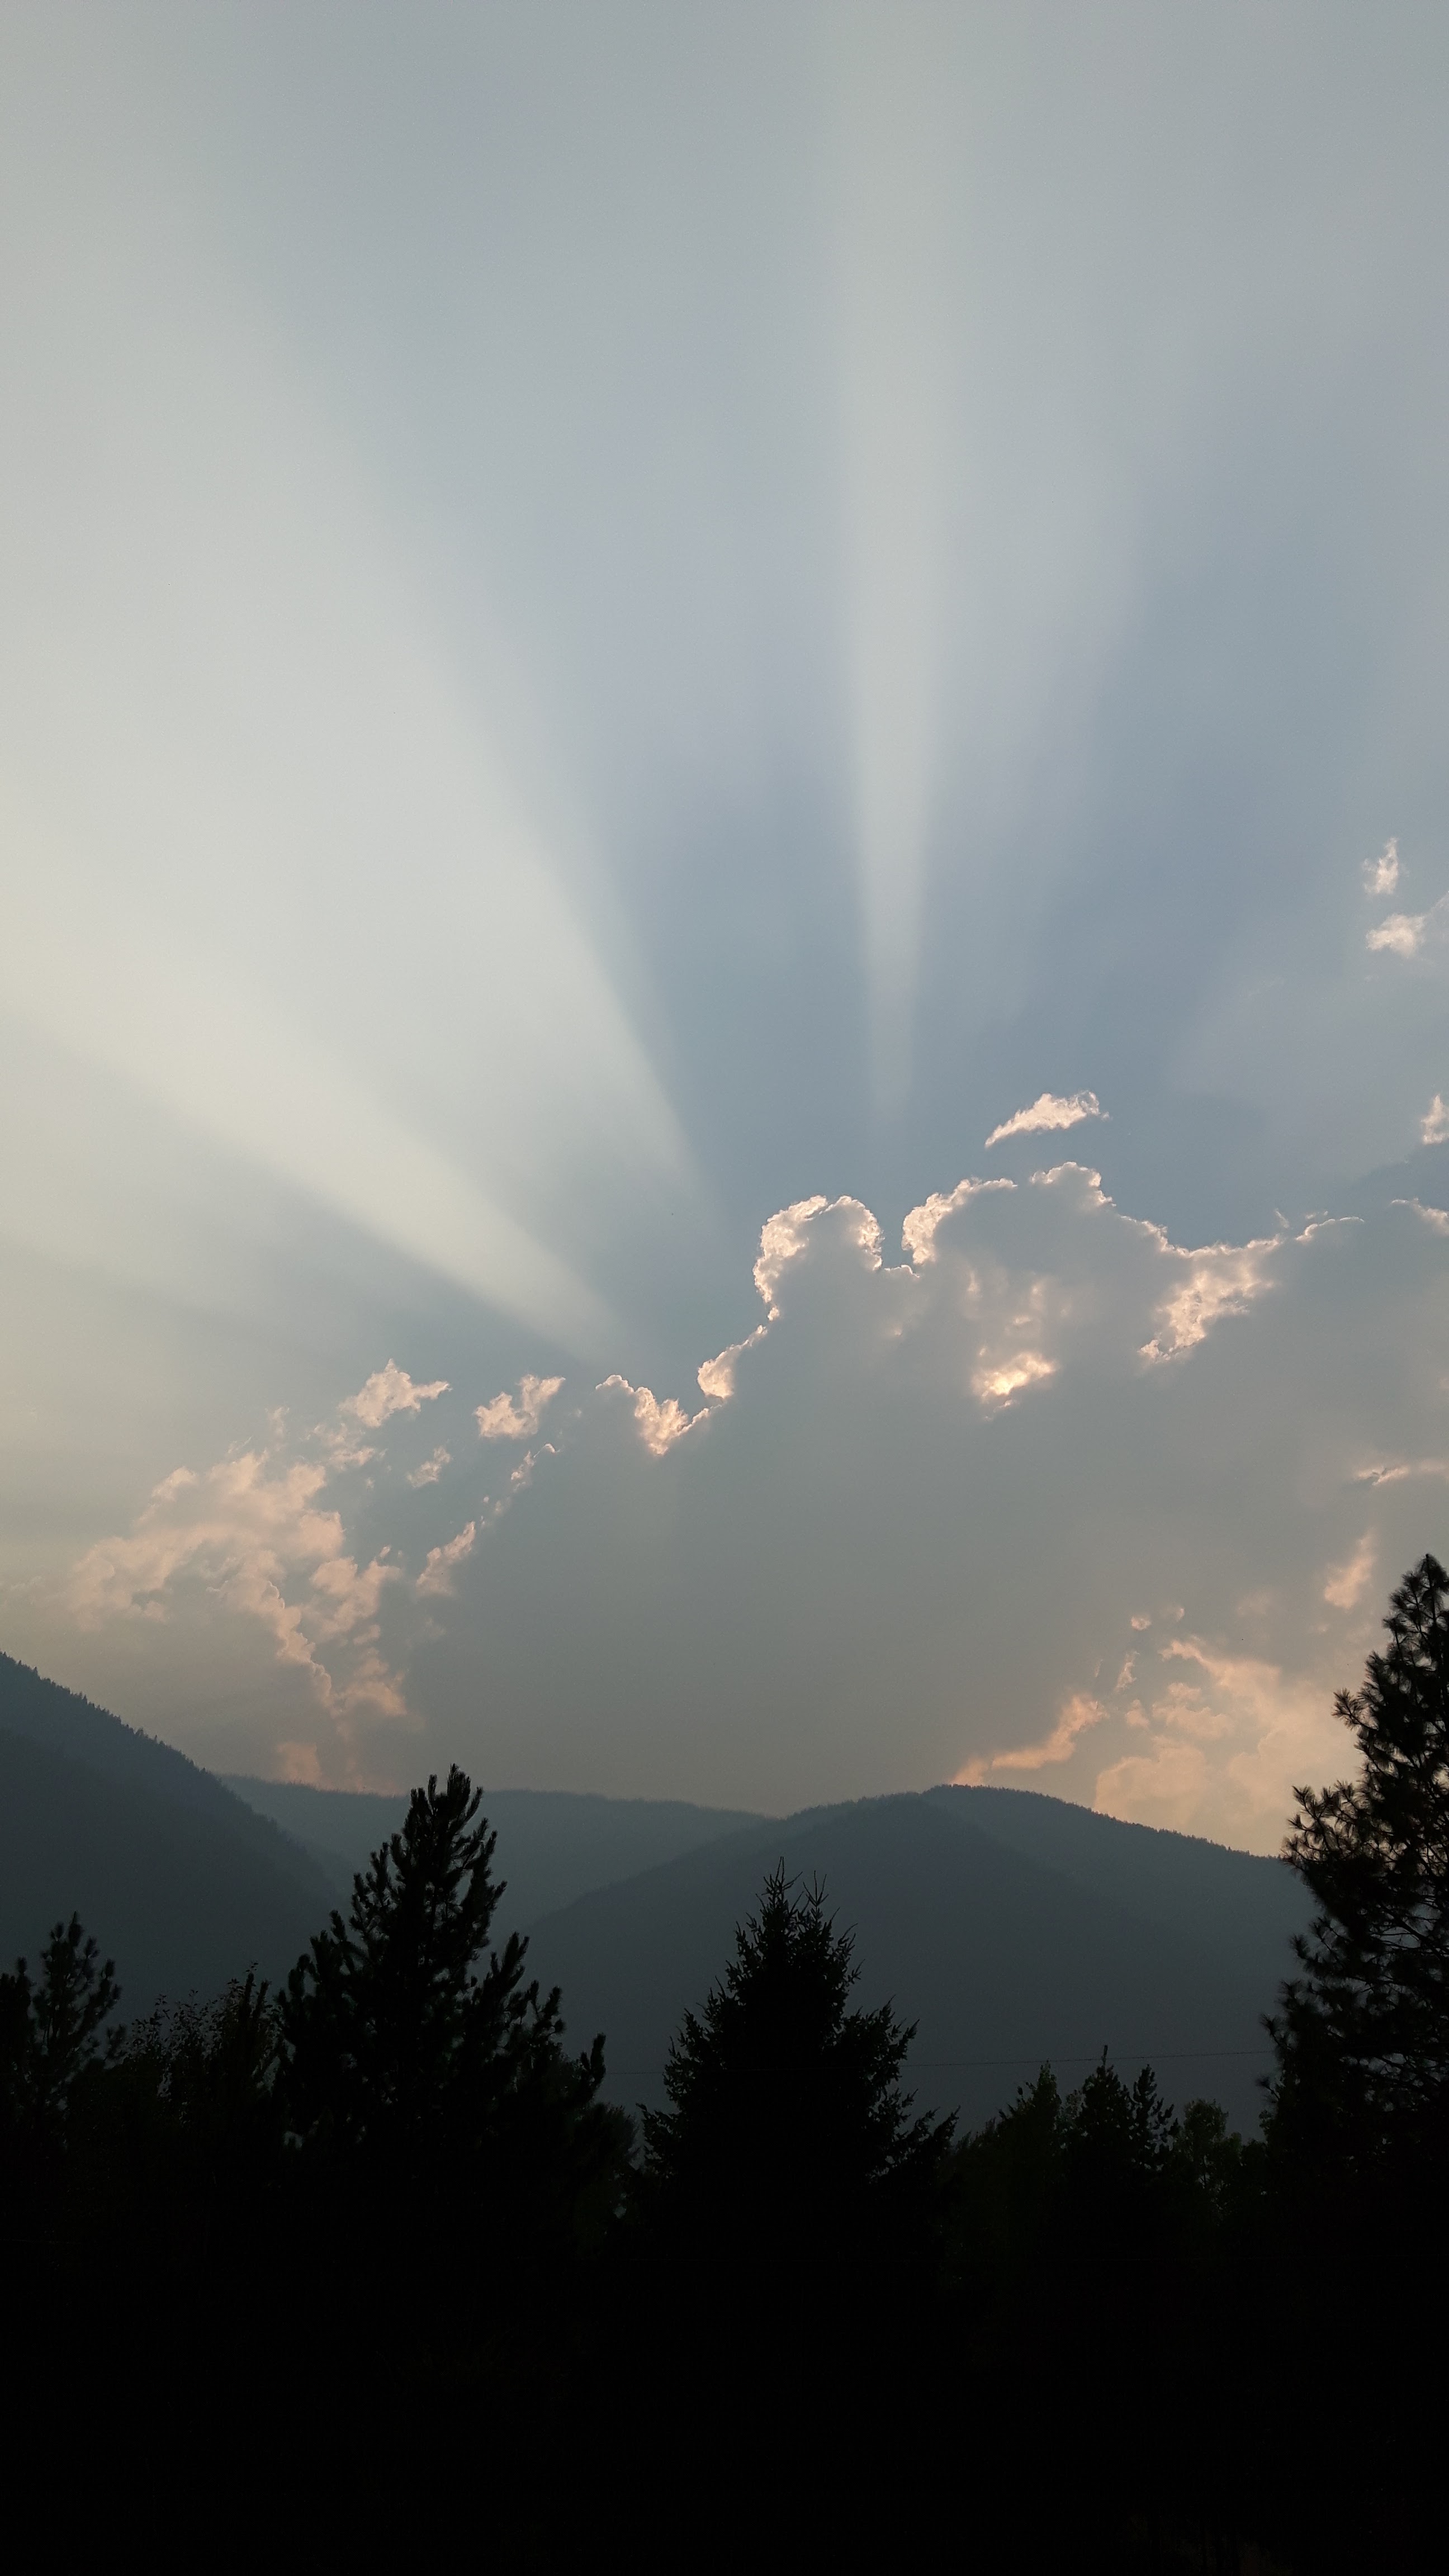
1362,2034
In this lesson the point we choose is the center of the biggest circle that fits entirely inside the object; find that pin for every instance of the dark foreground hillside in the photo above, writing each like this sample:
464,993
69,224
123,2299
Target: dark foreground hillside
184,1884
1014,1929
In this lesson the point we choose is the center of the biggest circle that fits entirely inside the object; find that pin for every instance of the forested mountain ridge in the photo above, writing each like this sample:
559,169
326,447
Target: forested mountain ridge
1012,1926
553,1844
184,1884
1004,1958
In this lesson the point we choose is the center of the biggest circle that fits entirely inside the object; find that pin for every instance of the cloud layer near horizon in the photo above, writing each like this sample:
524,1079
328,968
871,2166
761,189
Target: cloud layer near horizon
1050,1500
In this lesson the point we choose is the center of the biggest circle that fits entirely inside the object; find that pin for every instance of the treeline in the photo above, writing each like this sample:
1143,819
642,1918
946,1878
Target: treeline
372,2264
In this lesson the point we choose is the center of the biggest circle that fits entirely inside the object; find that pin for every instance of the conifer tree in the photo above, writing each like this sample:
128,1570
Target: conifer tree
50,2033
1362,2035
415,2057
787,2123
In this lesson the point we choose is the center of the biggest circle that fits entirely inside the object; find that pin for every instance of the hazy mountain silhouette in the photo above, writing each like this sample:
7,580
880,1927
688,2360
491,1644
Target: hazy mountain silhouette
182,1883
1013,1928
553,1845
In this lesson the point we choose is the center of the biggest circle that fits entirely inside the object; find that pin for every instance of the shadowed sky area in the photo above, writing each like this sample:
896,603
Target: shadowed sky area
624,633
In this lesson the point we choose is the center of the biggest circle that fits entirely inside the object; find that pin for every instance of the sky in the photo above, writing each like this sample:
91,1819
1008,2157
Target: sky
724,811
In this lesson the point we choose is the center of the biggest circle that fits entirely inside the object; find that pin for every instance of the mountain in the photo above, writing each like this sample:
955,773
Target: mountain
1011,1928
182,1883
553,1845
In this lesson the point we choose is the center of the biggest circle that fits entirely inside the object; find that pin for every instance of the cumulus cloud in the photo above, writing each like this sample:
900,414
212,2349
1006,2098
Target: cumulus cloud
1228,1746
1223,1279
252,1538
717,1376
390,1390
1434,1125
660,1424
1381,875
948,1492
1048,1111
517,1418
918,1234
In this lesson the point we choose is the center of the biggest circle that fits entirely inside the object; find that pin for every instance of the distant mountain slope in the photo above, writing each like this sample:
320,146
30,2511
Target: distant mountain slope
1237,1903
1003,1960
553,1844
181,1883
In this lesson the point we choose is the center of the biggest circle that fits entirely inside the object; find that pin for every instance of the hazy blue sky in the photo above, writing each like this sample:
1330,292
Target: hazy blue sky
623,631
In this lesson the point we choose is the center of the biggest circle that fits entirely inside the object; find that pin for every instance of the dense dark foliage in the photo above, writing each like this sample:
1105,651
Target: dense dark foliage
371,2264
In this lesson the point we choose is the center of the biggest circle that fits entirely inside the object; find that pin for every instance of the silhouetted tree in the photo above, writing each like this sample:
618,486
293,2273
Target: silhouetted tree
788,2133
414,2057
1362,2035
50,2034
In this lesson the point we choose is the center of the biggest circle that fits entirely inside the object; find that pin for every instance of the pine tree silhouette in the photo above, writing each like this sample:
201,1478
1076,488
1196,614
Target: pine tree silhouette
414,2058
50,2034
1362,2035
788,2132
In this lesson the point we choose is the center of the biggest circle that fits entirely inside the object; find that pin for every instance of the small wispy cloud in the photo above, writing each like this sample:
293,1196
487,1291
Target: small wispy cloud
1393,1471
1402,933
1050,1111
507,1418
1079,1714
443,1562
996,1382
390,1390
1381,875
431,1468
1434,1125
1437,1219
1347,1583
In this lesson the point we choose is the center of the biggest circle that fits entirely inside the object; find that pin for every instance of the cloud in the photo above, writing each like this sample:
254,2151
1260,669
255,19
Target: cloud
1436,1218
1348,1583
1047,1112
507,1419
390,1390
431,1468
660,1424
1079,1715
1227,1750
442,1562
252,1538
784,1236
946,1495
1396,1473
717,1376
1401,933
1381,875
918,1234
1434,1125
1223,1279
999,1380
